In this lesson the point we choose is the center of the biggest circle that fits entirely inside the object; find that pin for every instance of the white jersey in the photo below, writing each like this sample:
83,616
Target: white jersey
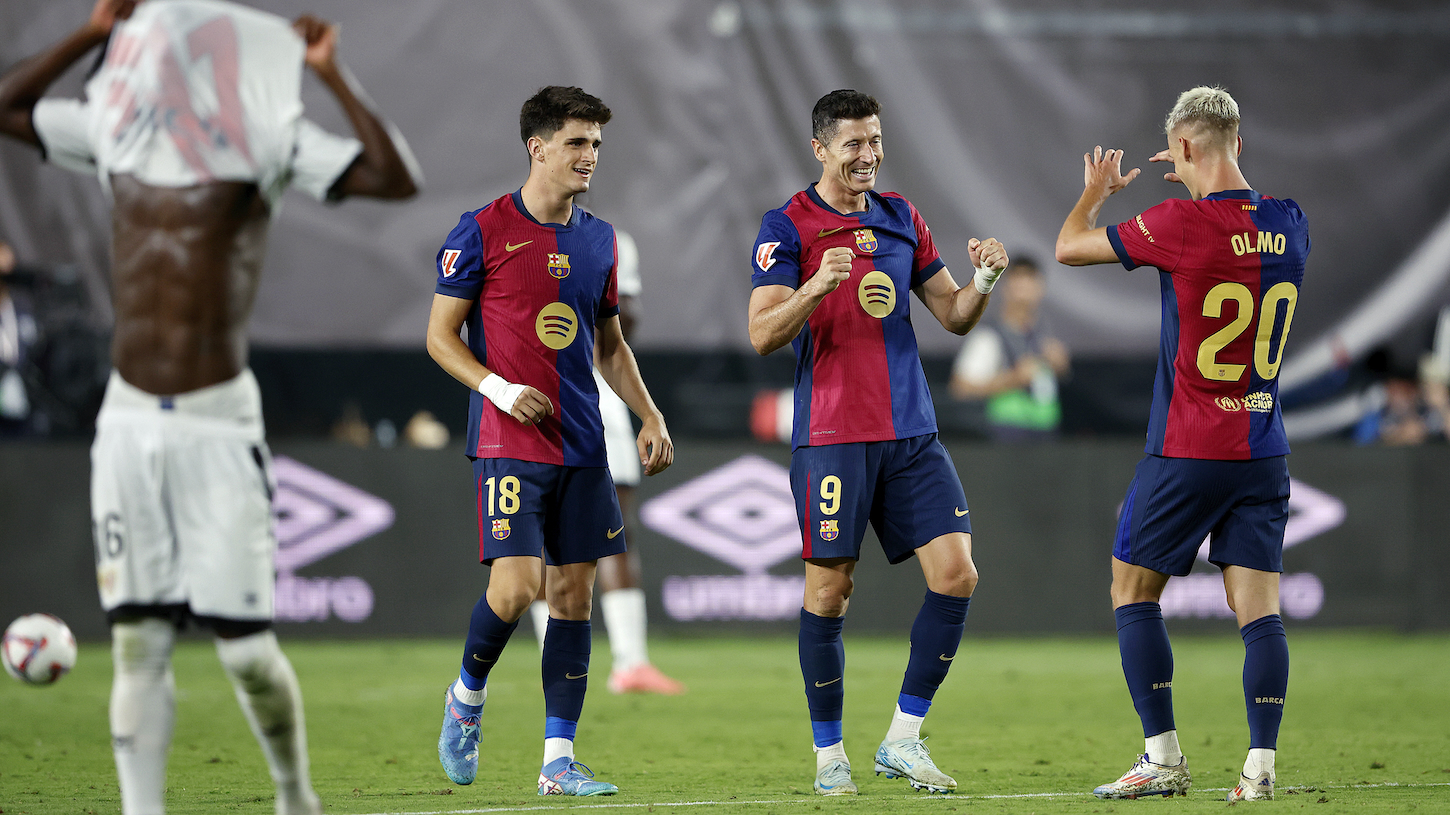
619,438
194,91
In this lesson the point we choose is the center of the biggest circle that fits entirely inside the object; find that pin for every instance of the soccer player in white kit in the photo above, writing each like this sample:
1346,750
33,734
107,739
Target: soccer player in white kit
621,599
193,124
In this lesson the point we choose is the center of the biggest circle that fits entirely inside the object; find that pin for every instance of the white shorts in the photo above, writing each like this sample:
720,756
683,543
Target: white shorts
619,436
181,500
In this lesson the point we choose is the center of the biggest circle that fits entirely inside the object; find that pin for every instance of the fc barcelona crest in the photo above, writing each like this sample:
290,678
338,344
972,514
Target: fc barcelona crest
865,240
829,530
559,265
501,528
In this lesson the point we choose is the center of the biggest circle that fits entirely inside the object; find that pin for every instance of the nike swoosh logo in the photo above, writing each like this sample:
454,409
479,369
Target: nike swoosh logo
961,512
484,661
832,682
572,676
945,658
509,247
825,232
613,533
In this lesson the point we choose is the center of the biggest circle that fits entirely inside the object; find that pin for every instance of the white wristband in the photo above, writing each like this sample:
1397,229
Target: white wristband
986,278
501,392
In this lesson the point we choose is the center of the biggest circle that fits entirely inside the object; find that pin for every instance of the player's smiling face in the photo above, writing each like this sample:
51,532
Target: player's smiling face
569,156
853,157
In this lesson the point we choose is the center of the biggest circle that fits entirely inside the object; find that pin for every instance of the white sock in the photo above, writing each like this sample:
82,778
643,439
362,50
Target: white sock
468,696
904,726
831,752
539,613
1163,749
624,619
555,749
143,712
271,700
1260,760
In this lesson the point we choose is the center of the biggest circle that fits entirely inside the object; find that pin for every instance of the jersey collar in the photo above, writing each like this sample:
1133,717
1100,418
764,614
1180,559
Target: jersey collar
518,199
821,202
1233,195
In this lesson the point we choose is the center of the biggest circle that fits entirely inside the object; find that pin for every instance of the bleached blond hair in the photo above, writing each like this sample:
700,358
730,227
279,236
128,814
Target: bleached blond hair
1205,111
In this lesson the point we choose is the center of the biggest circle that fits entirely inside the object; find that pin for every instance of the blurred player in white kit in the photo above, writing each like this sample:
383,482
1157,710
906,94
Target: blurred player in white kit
193,125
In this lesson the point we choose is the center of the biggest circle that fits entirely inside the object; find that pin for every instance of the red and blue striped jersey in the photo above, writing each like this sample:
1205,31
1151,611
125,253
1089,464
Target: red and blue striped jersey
858,373
537,292
1230,269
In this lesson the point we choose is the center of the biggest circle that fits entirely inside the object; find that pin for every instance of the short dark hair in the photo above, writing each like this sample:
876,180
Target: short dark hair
1025,262
546,111
838,105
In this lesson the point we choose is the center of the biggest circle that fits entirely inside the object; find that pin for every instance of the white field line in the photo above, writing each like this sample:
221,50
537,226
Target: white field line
812,799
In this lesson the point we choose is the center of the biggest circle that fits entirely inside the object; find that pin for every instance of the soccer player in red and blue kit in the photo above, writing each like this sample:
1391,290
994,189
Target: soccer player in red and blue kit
533,277
831,272
1230,263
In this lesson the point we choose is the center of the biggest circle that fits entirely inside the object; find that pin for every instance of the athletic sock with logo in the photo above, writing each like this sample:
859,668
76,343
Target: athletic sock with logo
935,635
823,665
565,671
1266,678
487,636
1148,666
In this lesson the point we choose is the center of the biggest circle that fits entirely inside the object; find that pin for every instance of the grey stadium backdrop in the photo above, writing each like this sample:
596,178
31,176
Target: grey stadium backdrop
989,107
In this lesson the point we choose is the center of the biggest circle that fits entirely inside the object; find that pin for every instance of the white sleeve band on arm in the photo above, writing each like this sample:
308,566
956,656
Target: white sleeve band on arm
986,278
501,392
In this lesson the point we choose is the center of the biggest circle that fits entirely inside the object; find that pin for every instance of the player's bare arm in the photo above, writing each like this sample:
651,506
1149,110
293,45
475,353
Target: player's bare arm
446,347
381,170
959,308
23,85
1082,242
616,363
778,313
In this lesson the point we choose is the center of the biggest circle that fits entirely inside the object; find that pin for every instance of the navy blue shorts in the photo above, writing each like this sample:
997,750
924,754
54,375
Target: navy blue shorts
1174,503
907,489
563,514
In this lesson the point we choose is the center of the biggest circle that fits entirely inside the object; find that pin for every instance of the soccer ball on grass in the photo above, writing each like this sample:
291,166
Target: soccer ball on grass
38,649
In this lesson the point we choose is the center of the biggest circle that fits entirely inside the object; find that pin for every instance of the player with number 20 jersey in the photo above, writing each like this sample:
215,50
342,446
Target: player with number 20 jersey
1230,264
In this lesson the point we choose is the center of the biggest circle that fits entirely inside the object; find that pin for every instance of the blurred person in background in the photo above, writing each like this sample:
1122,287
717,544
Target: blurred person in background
1013,363
193,125
18,334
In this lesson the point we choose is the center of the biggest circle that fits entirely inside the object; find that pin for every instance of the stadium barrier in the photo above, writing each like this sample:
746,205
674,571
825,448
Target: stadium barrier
383,542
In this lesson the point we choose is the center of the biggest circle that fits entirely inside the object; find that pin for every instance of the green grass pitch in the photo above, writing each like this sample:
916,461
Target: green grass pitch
1025,725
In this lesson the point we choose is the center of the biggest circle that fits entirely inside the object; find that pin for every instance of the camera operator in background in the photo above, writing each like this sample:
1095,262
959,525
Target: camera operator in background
52,357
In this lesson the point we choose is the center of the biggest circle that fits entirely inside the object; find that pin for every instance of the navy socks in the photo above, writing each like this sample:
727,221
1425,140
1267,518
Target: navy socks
1147,664
823,665
487,635
934,639
1266,678
565,673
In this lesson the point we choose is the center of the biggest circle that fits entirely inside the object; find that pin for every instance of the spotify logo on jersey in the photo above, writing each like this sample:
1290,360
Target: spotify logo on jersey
556,326
877,294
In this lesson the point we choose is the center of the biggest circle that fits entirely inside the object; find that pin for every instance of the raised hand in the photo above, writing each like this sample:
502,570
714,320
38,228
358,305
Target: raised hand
990,253
835,269
320,37
1104,169
1164,155
106,13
